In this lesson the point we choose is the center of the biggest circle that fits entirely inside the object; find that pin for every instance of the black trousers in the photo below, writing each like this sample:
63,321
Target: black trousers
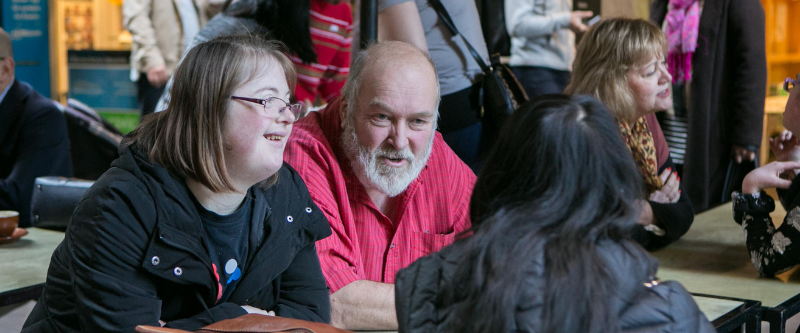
460,123
539,81
147,97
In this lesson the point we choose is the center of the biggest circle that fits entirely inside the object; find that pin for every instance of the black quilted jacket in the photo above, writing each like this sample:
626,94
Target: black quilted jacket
667,307
133,255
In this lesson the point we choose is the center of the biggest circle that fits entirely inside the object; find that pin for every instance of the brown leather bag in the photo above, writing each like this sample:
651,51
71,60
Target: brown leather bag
253,323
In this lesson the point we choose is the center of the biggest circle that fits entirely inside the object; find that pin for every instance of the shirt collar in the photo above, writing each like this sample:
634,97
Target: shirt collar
3,95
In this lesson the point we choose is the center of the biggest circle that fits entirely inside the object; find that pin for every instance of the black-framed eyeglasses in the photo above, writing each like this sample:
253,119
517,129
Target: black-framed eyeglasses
274,106
789,83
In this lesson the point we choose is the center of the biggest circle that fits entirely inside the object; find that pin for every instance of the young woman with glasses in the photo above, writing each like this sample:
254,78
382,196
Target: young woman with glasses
199,220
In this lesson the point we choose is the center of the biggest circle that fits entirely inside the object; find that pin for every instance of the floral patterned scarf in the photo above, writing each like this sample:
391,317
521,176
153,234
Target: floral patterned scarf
683,22
640,143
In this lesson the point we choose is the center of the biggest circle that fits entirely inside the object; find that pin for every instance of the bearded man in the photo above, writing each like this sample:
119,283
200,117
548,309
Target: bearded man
392,190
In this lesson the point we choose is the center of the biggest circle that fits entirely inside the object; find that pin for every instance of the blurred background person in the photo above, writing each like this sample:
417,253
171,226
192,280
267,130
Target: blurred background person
33,138
543,42
551,214
161,30
717,59
316,32
416,22
331,26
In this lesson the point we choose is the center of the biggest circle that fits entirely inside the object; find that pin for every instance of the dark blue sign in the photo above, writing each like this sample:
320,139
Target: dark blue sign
26,22
103,87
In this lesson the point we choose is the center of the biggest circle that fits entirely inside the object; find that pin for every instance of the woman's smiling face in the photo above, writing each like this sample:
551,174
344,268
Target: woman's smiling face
255,138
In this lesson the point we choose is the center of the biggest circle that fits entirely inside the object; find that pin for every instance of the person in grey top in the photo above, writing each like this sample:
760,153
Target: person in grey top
416,22
543,42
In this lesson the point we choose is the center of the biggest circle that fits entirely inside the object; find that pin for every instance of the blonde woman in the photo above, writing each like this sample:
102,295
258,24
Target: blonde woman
622,62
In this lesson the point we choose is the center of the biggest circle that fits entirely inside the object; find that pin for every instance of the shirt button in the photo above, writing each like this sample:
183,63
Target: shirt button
290,219
391,246
155,260
308,210
178,271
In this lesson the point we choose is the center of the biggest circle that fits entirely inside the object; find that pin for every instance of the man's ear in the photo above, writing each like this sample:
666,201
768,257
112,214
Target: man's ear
6,72
7,67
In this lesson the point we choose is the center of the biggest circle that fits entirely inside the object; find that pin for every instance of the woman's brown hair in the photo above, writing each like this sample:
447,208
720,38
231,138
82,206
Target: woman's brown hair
604,56
187,138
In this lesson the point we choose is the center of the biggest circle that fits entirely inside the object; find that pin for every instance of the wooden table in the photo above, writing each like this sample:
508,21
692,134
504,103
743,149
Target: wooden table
712,259
24,263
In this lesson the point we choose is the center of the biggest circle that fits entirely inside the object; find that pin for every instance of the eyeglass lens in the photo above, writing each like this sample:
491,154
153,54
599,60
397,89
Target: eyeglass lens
276,104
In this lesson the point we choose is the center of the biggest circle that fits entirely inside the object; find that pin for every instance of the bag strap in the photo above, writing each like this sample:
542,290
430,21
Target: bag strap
448,22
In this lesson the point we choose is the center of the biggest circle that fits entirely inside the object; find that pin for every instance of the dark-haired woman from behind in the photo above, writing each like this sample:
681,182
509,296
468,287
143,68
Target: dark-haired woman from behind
552,211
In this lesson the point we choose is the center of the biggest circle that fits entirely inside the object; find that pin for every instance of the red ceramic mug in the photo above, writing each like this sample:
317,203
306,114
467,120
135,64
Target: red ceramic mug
9,220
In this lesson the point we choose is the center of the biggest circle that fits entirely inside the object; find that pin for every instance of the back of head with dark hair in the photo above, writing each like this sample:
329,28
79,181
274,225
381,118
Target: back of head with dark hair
288,20
558,182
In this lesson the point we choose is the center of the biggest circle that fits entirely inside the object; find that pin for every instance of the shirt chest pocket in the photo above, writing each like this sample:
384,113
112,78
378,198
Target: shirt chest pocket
425,243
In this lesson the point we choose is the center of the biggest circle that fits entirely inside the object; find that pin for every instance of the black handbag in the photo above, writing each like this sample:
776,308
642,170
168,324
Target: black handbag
54,199
735,176
502,92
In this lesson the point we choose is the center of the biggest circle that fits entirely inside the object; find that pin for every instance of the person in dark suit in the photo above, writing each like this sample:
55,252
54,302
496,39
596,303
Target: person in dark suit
722,73
33,138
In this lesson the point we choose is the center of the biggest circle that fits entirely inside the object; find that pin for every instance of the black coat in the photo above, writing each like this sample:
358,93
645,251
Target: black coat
665,308
33,143
729,83
134,254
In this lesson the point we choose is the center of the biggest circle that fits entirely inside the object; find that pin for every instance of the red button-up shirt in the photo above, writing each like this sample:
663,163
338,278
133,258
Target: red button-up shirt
366,245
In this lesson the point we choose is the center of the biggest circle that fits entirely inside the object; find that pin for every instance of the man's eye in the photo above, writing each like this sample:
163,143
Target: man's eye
419,121
381,117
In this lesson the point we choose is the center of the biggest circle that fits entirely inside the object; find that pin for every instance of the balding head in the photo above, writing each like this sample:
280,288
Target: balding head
385,58
5,45
389,115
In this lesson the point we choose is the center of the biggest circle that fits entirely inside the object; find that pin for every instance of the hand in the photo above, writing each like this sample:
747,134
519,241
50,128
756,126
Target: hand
255,310
741,154
768,176
671,191
646,213
785,146
157,76
576,21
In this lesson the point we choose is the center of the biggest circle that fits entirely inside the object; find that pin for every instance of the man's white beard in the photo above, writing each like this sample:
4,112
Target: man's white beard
371,168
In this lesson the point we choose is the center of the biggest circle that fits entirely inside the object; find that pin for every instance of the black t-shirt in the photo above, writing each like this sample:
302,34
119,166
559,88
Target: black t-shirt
226,240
